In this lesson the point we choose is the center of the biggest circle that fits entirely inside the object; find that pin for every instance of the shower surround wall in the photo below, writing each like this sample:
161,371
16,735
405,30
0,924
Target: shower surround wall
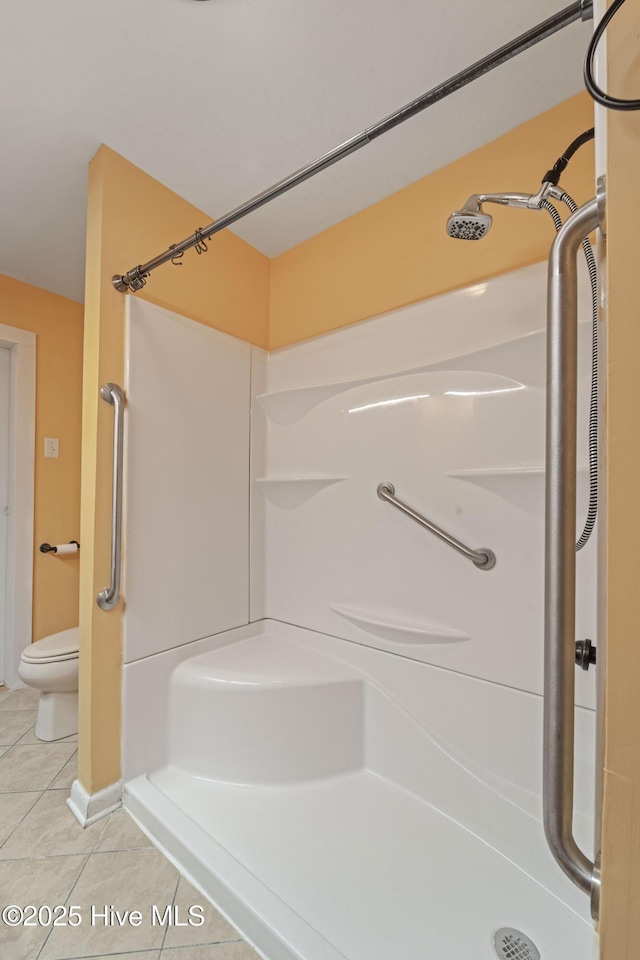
444,399
187,566
338,744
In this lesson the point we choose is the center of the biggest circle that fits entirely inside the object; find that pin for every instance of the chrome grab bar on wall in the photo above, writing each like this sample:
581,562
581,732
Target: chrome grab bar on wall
483,558
112,393
560,551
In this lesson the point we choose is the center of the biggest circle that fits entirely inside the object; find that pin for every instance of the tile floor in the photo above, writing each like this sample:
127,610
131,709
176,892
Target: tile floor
47,859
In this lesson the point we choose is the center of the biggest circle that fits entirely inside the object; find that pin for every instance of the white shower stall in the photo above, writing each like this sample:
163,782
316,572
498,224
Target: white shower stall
332,720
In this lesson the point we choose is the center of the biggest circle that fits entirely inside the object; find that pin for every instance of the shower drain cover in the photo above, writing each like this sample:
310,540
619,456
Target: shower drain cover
511,944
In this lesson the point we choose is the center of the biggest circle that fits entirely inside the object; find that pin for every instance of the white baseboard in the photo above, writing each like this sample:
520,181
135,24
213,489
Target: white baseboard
89,807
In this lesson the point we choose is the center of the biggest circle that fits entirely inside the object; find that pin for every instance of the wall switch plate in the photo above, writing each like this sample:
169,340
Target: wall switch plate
51,447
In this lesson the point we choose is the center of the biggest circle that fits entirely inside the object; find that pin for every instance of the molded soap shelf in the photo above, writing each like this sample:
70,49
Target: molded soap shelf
289,492
529,470
522,486
397,630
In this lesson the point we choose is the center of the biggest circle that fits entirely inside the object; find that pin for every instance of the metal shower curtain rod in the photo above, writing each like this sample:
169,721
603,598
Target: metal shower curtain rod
135,278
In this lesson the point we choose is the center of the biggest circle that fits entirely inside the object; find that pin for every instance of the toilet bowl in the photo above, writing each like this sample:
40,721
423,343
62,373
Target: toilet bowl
51,666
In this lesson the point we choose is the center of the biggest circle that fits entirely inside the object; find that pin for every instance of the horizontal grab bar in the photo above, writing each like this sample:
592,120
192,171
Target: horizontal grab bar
483,558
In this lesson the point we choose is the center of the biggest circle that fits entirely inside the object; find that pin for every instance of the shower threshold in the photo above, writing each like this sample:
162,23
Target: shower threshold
348,867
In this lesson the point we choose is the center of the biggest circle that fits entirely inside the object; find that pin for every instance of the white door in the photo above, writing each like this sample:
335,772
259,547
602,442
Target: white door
5,372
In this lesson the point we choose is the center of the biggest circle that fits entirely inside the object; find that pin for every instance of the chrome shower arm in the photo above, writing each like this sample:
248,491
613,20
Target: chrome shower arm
509,199
529,201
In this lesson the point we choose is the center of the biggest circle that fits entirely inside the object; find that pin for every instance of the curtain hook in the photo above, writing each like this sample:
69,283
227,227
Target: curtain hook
201,245
177,256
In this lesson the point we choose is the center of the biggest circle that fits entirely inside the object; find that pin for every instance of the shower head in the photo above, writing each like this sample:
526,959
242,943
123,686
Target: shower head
472,223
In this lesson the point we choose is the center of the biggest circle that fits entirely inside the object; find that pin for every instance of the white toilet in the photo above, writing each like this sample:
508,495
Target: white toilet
51,666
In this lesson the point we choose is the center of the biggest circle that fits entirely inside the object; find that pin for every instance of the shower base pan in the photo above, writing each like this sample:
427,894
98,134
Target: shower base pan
279,800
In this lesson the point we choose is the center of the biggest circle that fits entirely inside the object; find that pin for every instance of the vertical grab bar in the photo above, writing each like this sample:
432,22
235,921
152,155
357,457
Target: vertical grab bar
111,393
560,552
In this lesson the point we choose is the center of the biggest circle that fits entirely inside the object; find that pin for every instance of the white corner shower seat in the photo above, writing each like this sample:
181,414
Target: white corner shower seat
283,751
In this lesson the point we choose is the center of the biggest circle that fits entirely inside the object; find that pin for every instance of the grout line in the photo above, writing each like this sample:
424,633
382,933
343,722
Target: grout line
31,728
36,742
21,821
88,857
77,880
23,734
40,744
152,951
52,856
43,745
175,894
8,793
103,853
208,943
106,821
65,764
96,853
66,901
15,742
62,768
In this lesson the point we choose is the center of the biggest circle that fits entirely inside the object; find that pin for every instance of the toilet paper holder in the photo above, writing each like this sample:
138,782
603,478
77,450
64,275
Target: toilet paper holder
47,548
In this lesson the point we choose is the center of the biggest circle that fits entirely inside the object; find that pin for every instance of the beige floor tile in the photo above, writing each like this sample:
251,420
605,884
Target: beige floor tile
37,882
67,775
122,833
214,930
33,767
13,725
3,750
127,880
23,699
215,951
13,807
50,830
30,737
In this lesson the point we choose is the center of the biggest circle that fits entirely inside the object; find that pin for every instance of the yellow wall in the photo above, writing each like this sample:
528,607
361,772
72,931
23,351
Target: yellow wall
620,909
131,217
57,323
397,252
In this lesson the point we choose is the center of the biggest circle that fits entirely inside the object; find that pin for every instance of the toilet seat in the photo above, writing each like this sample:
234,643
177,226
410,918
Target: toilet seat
70,656
55,648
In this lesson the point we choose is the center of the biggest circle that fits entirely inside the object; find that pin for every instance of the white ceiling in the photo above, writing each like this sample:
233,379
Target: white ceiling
220,99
